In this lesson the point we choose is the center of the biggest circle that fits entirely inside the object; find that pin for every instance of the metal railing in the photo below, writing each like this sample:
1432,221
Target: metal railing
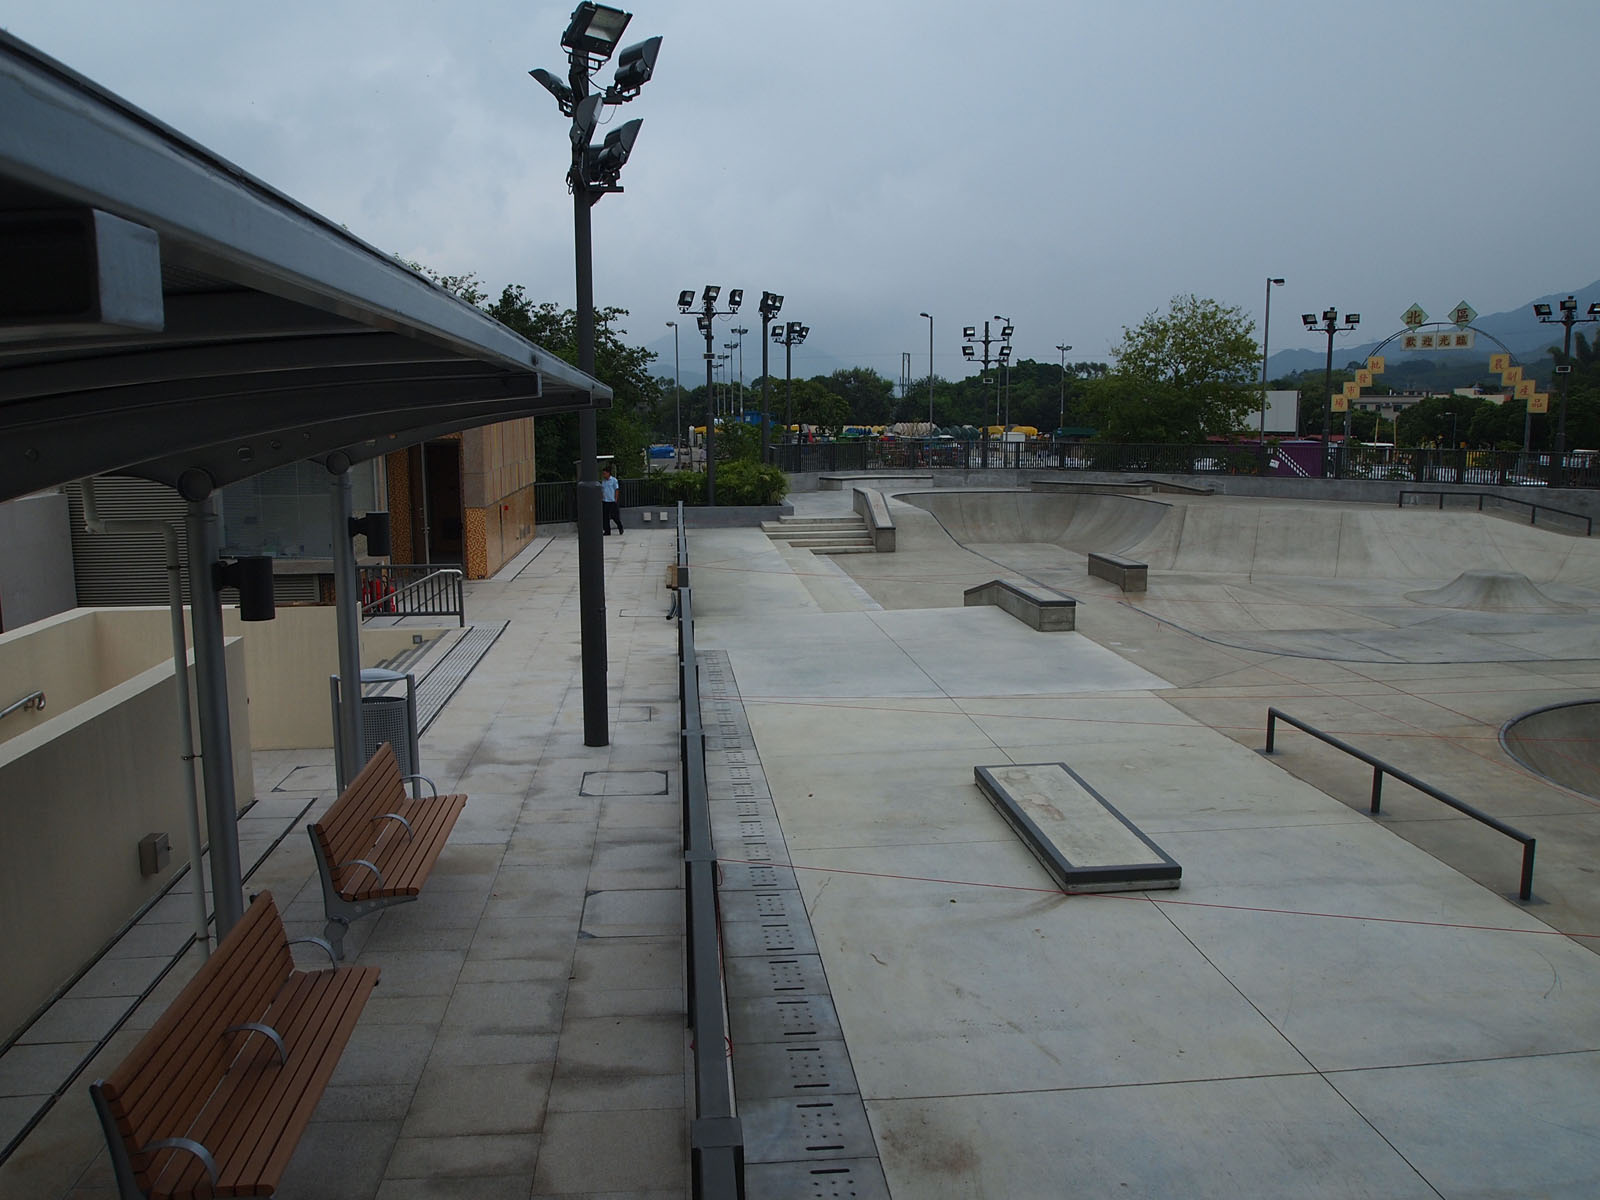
1497,501
1381,768
716,1137
413,590
32,702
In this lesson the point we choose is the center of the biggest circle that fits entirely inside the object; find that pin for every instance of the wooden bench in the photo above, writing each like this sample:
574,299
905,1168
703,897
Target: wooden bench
1127,574
214,1098
376,845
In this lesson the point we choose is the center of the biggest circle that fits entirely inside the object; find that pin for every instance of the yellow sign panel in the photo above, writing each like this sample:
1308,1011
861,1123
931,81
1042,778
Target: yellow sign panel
1363,378
1341,404
1499,362
1539,402
1525,389
1511,376
1352,391
1375,364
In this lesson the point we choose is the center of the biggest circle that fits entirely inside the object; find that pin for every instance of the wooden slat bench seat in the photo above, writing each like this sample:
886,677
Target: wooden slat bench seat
214,1098
375,846
1127,574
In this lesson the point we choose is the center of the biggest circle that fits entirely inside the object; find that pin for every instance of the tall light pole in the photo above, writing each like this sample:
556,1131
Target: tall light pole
930,372
1330,326
1006,330
771,302
1062,423
706,314
590,40
1266,330
1568,318
740,332
969,335
789,336
677,393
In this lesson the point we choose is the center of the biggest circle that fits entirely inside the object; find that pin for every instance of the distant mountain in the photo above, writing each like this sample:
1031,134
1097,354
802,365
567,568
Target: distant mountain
1519,329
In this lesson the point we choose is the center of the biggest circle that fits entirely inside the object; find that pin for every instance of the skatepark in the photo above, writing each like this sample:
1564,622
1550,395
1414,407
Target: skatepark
1331,1003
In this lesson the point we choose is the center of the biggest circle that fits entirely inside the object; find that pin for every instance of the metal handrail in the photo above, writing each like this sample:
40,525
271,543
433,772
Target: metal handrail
445,581
1533,509
1381,768
33,701
716,1136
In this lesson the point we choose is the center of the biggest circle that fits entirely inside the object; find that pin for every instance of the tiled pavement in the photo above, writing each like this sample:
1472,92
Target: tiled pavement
528,1036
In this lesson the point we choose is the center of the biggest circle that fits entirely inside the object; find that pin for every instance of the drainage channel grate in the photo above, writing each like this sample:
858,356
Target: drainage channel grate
805,1126
447,675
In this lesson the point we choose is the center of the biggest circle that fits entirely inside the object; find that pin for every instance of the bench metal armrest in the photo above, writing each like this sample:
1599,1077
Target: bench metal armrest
191,1146
424,778
362,862
265,1030
316,941
410,833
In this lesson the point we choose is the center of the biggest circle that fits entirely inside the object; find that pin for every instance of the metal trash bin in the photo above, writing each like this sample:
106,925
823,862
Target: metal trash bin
385,717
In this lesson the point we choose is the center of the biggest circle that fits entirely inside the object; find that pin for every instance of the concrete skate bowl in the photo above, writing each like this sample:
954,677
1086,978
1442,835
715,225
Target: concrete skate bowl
1080,523
1335,581
1561,743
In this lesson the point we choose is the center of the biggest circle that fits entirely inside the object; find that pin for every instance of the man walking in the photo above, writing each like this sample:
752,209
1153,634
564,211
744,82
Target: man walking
610,510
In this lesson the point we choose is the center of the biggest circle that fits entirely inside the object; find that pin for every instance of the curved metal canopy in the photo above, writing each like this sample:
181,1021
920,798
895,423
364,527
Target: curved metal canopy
167,315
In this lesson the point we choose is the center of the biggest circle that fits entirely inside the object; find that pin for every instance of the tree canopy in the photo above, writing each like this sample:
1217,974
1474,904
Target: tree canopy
1179,376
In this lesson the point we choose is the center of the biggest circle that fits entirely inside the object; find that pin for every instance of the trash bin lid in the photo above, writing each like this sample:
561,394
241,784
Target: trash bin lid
380,675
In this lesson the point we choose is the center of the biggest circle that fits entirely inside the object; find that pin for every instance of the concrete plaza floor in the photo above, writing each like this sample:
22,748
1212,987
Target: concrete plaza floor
1328,1006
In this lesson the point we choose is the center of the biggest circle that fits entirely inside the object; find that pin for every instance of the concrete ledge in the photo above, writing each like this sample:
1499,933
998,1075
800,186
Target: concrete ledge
872,508
1127,574
837,481
1042,608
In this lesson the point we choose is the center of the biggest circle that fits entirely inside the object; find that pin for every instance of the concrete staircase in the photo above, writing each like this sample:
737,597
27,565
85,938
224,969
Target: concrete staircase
822,535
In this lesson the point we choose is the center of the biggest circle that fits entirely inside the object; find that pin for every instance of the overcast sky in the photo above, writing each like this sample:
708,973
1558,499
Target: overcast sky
1071,164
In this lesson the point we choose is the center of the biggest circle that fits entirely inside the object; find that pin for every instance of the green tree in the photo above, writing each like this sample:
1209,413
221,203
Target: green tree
1180,375
868,395
627,428
815,405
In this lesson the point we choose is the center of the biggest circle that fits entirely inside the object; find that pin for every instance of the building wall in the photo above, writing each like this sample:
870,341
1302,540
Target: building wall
35,560
497,473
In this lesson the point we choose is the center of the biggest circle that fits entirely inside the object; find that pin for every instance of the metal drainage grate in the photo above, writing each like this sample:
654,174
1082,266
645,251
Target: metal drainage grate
805,1126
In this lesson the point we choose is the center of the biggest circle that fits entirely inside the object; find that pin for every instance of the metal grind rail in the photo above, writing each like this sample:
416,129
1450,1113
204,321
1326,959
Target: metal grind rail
716,1137
1533,509
1381,768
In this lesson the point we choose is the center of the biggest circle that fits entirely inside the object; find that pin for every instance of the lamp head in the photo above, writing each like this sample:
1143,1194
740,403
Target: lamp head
1569,305
686,299
605,162
1542,311
635,65
709,296
1007,331
1277,281
967,351
595,30
1594,309
771,302
1310,320
1330,314
556,86
1352,319
969,331
585,116
735,298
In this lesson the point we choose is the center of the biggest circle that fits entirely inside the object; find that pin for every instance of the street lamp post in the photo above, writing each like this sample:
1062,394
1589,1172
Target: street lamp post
771,302
789,336
677,393
1568,318
969,335
705,315
930,372
1330,326
1061,423
1266,330
590,40
740,332
1006,330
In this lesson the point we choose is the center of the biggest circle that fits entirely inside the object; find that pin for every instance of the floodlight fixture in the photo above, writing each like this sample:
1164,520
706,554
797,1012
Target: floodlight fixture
969,331
967,351
1007,330
771,302
585,116
686,300
1594,309
1352,319
1542,311
594,31
1569,305
604,163
709,296
735,298
805,331
703,324
1330,314
635,65
553,83
1310,320
777,333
